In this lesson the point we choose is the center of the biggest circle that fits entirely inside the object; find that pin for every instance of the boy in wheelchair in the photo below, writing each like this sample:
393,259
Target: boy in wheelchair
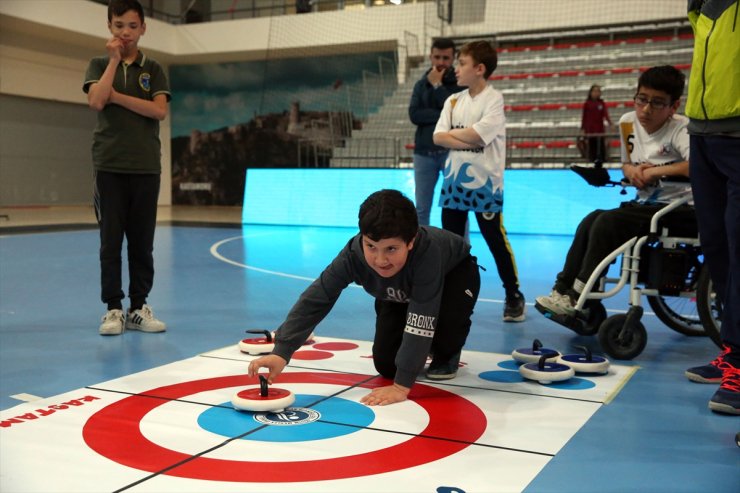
654,152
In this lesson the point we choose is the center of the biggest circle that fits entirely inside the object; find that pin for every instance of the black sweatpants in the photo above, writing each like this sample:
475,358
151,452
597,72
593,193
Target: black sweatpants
453,323
126,205
492,229
602,231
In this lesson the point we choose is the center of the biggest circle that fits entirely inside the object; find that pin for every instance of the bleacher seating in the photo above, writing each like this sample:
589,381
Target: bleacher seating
544,87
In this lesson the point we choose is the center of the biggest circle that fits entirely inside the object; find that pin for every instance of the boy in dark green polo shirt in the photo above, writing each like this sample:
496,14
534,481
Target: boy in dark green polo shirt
130,93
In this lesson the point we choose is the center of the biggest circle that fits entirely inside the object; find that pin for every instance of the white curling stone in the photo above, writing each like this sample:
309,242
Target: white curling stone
551,372
527,355
580,363
251,400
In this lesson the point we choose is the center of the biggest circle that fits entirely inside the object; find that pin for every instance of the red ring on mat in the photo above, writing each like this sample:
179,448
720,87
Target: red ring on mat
311,355
257,341
335,346
114,432
256,395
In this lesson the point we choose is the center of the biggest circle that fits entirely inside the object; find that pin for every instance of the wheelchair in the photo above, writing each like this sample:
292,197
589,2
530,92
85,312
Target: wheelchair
668,270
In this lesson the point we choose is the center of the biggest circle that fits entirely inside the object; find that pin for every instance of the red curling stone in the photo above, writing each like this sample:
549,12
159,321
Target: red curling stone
258,345
262,398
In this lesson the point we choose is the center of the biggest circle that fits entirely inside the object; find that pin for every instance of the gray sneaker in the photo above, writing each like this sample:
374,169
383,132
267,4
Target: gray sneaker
143,320
557,303
112,323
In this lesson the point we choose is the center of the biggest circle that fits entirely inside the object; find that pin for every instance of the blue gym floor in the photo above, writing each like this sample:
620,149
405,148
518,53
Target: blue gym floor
213,283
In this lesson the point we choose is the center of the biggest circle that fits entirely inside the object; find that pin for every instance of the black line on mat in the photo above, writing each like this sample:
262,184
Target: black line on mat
191,458
431,437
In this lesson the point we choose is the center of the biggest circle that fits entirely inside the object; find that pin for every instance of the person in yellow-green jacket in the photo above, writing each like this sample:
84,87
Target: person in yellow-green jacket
713,108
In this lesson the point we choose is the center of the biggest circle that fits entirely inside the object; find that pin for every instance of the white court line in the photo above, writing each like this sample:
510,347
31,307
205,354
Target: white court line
214,252
26,397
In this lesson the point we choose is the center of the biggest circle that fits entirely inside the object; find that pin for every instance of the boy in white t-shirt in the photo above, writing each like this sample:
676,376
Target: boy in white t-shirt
473,126
655,148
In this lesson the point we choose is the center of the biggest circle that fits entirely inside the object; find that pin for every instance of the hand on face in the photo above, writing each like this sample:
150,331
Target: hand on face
435,75
115,48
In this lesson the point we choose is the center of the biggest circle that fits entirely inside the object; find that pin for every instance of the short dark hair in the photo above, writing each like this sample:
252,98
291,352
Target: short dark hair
119,7
443,44
666,78
481,52
388,214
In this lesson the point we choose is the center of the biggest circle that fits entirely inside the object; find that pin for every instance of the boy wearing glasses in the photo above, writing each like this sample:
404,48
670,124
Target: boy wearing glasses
655,154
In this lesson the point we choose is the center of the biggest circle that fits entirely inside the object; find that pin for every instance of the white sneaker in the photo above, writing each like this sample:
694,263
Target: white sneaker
143,320
112,323
559,304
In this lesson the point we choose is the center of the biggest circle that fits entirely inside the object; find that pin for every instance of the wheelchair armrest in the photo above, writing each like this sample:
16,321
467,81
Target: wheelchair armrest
665,210
675,179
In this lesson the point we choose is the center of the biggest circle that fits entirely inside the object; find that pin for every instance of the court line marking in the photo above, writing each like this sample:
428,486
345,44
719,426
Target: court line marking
626,378
26,397
214,252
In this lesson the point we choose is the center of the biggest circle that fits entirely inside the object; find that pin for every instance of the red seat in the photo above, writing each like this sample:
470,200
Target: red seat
560,144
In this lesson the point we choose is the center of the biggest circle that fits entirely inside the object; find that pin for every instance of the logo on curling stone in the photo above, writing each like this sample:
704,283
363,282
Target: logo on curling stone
289,417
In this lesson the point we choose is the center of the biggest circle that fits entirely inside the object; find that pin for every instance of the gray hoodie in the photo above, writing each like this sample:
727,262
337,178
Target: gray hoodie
419,284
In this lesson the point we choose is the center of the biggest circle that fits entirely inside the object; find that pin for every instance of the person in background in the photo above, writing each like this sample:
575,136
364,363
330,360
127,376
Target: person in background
593,118
473,126
427,100
713,108
130,92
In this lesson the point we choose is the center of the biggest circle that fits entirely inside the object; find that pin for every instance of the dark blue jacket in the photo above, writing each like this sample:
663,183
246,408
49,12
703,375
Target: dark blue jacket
426,104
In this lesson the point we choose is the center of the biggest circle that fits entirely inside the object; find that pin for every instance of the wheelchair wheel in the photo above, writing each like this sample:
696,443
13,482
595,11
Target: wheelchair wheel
622,348
596,316
709,307
680,313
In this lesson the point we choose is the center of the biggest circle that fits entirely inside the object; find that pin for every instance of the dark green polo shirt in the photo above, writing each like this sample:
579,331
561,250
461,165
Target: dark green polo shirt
124,141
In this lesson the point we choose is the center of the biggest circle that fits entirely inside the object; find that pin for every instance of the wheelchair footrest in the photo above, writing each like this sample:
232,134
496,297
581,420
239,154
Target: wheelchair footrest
572,322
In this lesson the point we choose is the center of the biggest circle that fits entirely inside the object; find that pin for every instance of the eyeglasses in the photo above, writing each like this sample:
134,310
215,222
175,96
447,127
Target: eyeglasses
657,104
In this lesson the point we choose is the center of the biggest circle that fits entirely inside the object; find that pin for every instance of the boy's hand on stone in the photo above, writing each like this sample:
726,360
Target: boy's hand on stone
274,363
383,396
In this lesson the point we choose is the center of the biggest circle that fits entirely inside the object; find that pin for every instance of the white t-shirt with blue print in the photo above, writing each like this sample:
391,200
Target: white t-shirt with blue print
474,179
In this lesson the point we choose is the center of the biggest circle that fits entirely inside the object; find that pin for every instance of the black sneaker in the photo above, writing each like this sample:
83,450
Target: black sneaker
727,398
711,373
445,370
514,307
